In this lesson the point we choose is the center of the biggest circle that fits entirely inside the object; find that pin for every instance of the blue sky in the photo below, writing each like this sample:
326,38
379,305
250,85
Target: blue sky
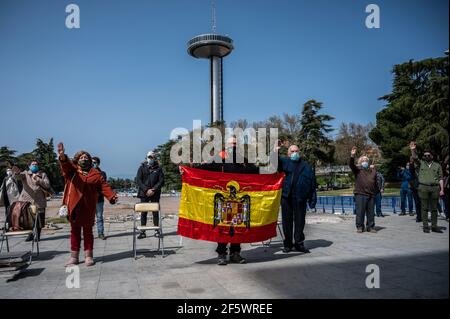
118,85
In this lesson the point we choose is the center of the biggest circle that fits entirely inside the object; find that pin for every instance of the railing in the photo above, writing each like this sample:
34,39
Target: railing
346,204
209,37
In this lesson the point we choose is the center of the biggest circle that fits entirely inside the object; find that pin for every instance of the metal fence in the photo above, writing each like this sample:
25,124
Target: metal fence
346,204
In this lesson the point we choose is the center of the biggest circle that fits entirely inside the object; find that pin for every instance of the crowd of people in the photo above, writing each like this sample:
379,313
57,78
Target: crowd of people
423,183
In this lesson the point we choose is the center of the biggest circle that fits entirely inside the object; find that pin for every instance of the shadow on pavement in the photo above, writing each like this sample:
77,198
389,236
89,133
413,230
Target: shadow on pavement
412,276
27,273
140,253
273,252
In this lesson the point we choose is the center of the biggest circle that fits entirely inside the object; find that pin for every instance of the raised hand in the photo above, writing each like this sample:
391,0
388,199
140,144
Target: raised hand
114,200
15,169
61,150
277,145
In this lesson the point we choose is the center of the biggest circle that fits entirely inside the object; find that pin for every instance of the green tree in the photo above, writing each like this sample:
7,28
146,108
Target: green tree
172,177
6,156
45,154
416,109
315,144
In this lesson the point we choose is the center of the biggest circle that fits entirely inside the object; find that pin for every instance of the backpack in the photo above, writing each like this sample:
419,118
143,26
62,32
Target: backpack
21,217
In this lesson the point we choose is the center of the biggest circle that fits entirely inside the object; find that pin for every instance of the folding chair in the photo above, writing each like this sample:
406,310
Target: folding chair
6,234
266,244
148,207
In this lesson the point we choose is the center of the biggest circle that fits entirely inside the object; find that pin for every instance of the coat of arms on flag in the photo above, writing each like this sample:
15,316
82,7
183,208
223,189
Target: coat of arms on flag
228,207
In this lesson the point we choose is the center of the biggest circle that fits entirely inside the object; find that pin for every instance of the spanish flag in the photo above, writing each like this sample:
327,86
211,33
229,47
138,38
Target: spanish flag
229,208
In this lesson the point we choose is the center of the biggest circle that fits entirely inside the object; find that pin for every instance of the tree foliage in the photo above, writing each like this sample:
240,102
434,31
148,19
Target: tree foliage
416,110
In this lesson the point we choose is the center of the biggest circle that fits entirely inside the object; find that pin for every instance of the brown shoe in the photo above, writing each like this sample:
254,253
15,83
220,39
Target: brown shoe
73,260
89,258
371,230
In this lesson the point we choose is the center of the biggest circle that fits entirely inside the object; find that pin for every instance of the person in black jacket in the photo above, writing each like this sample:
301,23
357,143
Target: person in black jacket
233,166
150,180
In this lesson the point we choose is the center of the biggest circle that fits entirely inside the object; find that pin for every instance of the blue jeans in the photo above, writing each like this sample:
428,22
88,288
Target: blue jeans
406,192
99,214
378,198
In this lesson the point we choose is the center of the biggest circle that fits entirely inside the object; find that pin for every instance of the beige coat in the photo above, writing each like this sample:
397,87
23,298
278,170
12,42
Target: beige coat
32,188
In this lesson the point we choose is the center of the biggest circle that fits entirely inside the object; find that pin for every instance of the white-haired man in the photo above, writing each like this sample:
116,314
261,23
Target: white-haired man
299,189
150,180
365,191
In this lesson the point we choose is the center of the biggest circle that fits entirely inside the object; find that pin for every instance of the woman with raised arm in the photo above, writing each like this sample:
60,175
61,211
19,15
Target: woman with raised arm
83,186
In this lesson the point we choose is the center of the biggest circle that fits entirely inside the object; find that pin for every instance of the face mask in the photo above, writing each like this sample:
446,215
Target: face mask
428,158
84,164
94,165
365,165
295,157
9,173
151,162
34,169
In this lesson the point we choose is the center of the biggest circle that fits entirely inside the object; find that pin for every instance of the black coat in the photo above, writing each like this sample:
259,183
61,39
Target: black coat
149,178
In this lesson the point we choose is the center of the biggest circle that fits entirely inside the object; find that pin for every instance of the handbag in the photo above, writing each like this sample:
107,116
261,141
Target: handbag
64,209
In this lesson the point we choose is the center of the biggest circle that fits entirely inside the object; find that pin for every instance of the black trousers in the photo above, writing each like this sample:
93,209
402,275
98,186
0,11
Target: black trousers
365,208
293,213
155,214
418,204
222,248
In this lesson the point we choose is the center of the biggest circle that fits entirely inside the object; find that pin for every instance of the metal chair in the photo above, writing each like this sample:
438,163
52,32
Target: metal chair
148,207
6,234
267,244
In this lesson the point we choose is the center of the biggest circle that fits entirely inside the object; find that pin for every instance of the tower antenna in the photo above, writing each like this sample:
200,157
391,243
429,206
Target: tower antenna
214,16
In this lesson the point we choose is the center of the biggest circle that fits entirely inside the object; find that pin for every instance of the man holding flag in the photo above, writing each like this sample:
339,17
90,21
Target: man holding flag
222,202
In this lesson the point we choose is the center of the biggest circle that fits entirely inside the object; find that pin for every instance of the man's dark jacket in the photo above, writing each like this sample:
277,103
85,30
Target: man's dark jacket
305,188
149,178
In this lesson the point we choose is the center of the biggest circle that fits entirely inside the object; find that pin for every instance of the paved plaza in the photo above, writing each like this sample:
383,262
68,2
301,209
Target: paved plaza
412,264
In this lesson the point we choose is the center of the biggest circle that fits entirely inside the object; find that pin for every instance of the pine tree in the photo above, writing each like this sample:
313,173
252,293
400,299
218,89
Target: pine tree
315,145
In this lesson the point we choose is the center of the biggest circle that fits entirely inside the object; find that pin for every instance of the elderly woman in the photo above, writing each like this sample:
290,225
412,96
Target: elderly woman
83,186
365,191
36,186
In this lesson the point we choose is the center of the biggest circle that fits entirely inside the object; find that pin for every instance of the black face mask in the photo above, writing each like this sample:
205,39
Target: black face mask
85,165
428,158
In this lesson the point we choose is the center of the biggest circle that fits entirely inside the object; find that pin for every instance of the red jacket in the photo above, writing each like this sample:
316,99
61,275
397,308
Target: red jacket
82,191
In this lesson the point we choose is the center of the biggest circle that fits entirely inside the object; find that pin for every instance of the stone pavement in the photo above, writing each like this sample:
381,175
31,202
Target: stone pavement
412,265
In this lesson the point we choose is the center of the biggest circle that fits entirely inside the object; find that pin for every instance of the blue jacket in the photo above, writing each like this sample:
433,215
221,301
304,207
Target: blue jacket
406,178
305,189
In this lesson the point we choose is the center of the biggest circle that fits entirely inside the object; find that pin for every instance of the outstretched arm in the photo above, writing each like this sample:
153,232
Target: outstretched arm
414,157
351,162
107,191
67,167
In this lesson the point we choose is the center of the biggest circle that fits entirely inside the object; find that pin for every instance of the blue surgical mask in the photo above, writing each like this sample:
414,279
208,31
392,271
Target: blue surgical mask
295,156
34,169
365,165
94,165
151,162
